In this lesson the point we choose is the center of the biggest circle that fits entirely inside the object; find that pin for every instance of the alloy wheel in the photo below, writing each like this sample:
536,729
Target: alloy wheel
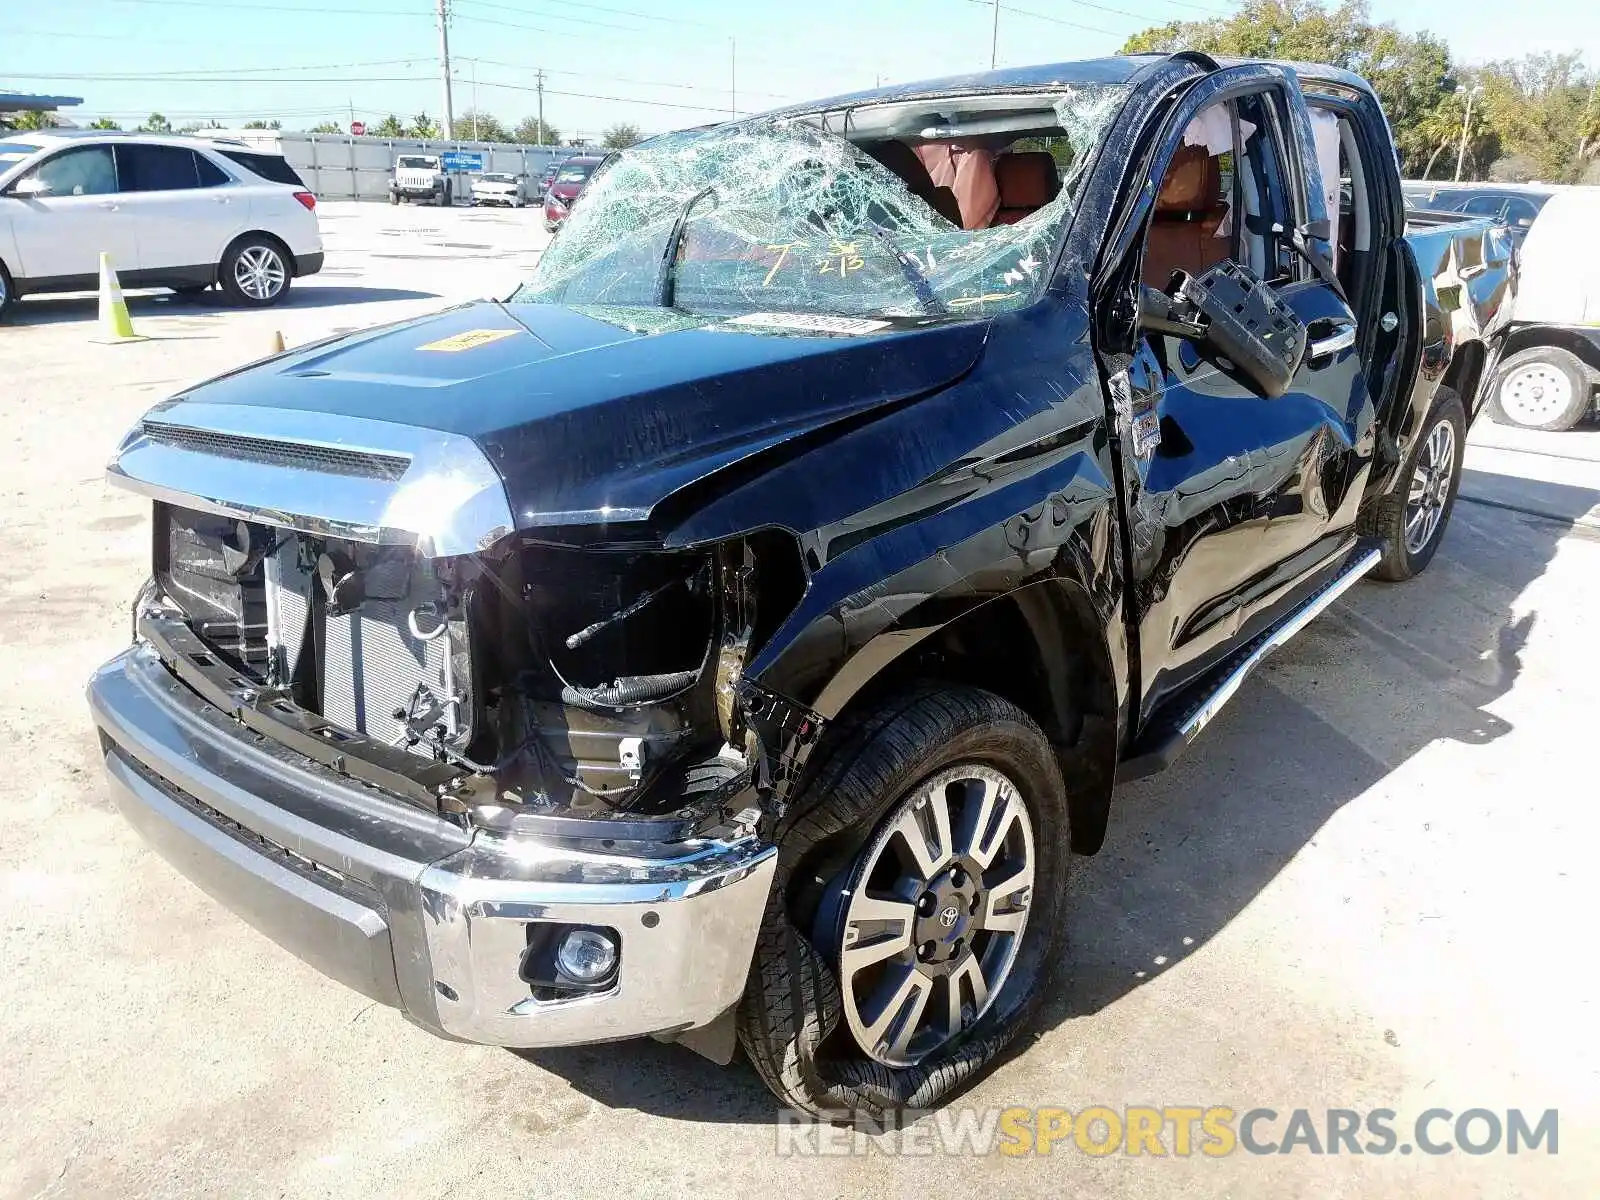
1430,486
932,925
260,272
1535,394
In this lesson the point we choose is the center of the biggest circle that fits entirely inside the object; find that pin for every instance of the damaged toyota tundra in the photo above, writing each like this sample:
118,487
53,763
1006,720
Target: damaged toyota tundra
731,636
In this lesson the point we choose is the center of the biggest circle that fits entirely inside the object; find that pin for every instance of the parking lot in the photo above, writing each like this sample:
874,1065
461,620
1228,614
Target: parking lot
1367,886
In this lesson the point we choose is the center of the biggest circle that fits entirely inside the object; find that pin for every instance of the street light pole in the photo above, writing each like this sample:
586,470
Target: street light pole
474,99
733,79
994,38
1466,124
444,64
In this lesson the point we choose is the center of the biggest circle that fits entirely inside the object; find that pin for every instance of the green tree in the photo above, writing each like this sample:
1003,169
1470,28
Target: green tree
260,124
155,123
103,123
530,132
1540,108
35,120
488,127
423,126
620,137
1411,74
326,127
197,126
389,127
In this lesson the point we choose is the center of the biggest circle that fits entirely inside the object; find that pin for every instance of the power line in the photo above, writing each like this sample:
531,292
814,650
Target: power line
319,9
542,16
225,74
691,87
1022,12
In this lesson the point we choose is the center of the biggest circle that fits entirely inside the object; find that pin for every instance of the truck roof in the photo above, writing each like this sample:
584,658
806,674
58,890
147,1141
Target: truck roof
1121,68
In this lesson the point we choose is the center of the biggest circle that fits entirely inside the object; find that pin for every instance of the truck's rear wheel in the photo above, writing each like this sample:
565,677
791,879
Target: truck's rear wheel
917,910
1409,523
1545,388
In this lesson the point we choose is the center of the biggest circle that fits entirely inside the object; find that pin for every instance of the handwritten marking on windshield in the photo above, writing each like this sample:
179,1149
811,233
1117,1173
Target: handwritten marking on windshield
844,255
783,254
986,298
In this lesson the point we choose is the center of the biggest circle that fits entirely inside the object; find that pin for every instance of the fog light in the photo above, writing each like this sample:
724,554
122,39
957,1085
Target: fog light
586,956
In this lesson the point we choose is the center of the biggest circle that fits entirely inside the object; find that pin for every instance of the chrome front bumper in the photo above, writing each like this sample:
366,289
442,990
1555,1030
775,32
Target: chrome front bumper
405,906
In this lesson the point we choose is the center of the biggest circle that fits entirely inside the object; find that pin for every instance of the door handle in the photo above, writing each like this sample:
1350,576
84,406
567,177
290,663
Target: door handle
1342,338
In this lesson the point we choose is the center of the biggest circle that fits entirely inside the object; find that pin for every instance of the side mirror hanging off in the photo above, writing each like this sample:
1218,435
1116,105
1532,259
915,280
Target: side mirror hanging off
1233,312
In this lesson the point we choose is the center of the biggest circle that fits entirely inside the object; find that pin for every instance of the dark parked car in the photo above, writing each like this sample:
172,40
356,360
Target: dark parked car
1515,208
571,177
731,637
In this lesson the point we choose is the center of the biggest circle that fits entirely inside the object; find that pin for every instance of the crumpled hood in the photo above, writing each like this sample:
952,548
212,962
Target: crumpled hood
590,420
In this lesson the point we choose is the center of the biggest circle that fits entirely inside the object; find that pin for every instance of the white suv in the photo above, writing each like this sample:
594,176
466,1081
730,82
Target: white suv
175,212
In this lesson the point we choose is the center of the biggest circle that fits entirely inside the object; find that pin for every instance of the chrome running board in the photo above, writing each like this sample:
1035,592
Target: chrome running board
1177,735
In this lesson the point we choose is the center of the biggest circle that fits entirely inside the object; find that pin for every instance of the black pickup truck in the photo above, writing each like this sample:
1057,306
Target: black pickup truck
730,637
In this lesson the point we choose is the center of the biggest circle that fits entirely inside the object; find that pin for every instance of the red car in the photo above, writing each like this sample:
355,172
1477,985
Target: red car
566,187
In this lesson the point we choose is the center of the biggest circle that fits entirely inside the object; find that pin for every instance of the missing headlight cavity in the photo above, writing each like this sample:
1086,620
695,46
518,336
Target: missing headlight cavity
619,670
617,628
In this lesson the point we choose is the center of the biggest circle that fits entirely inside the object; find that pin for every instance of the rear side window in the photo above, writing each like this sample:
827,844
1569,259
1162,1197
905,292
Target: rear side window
211,175
272,167
1484,206
156,169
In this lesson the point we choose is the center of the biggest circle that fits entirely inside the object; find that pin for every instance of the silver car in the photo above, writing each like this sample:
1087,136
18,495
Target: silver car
499,188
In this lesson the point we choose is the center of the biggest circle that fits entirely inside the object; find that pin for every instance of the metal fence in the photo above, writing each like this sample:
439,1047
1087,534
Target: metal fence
338,166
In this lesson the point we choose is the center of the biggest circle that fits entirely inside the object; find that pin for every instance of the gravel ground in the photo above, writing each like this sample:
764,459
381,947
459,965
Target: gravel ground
1364,887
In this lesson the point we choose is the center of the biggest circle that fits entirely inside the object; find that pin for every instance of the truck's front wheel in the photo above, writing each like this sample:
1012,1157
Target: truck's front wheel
917,910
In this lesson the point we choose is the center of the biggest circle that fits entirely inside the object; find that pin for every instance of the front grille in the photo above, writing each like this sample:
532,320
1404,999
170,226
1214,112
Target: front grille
327,459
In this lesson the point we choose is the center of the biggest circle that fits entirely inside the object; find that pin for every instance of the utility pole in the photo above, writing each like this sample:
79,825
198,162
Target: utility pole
1466,123
994,38
540,88
444,65
474,99
733,79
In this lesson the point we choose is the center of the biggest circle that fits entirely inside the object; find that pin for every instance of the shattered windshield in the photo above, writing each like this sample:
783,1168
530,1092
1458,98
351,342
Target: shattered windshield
765,216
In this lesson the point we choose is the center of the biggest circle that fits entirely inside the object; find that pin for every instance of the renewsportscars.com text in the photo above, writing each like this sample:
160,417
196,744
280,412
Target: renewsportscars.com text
1176,1131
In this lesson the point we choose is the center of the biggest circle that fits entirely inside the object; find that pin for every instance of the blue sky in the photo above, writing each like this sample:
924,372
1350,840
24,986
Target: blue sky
653,64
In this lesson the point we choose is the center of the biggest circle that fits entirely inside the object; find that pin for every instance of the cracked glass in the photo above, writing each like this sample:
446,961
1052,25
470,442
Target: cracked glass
779,216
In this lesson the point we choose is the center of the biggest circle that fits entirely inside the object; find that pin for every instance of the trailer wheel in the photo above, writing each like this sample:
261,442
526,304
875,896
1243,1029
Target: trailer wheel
1544,387
917,910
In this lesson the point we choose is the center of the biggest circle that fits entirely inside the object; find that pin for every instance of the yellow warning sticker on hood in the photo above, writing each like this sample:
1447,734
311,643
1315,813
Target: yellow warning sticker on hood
470,340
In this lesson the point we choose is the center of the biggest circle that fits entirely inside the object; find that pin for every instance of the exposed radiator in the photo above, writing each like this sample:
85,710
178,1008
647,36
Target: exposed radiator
370,662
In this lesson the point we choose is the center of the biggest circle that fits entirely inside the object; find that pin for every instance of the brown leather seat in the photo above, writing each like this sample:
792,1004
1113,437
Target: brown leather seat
900,159
1189,211
1027,182
967,169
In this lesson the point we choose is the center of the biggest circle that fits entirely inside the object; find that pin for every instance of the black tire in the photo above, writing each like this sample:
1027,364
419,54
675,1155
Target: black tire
790,1021
1544,388
1386,520
255,247
8,295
